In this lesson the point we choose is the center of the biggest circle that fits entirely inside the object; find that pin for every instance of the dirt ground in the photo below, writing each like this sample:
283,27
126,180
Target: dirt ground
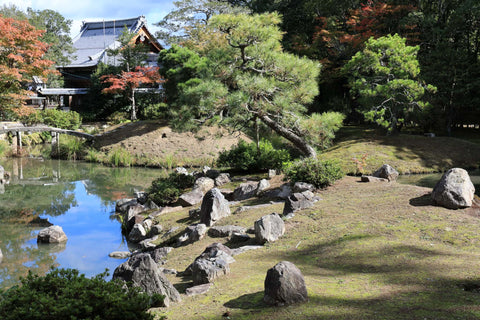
156,139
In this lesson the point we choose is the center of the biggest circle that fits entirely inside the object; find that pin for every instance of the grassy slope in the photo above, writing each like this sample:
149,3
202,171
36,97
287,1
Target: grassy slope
367,251
406,153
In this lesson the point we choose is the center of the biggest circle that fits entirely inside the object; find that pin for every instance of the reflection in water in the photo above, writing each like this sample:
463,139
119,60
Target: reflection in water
429,180
79,197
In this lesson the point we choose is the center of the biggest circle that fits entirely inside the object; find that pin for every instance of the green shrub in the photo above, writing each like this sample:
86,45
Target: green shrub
69,148
312,170
120,157
246,157
65,294
167,190
93,155
70,120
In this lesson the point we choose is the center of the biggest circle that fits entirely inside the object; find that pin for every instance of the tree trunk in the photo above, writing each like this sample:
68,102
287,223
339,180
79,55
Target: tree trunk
297,141
134,107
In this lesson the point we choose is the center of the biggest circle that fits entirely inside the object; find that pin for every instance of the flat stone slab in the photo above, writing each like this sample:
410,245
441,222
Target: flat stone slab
119,254
243,249
373,179
196,290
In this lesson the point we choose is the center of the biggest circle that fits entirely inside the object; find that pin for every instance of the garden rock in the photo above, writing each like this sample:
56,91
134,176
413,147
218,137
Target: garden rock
122,205
141,197
155,230
142,271
454,190
372,179
196,290
300,187
214,207
148,243
181,170
386,172
53,234
119,254
282,192
284,285
223,178
204,184
298,201
246,190
159,255
243,249
262,185
211,264
269,228
272,173
192,234
190,198
138,233
212,174
1,256
238,237
224,231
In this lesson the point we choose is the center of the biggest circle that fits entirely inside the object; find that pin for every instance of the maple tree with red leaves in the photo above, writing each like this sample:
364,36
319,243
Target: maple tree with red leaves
338,39
21,57
128,81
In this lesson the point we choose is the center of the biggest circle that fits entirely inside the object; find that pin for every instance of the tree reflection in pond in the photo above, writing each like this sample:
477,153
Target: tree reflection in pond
77,196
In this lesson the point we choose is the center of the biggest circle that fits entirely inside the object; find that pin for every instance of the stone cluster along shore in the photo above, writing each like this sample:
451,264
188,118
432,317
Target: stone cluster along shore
284,283
139,218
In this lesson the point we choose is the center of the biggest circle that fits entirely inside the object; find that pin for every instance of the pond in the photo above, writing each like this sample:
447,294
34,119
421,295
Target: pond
429,180
80,197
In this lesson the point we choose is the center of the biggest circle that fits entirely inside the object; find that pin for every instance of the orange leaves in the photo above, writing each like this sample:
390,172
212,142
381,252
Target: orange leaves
21,57
131,80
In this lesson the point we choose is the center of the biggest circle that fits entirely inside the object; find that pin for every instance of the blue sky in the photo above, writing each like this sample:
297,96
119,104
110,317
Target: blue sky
87,10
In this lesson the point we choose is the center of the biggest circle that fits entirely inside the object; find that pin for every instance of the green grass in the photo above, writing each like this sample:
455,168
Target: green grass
367,251
407,153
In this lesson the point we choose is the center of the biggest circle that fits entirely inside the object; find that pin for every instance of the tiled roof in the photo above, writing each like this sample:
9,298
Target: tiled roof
95,37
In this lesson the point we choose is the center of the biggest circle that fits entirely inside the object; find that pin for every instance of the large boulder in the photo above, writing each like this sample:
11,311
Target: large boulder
284,285
211,264
53,234
204,184
246,190
386,172
299,201
282,192
269,228
214,207
300,187
190,198
454,190
138,233
223,178
262,186
141,271
122,205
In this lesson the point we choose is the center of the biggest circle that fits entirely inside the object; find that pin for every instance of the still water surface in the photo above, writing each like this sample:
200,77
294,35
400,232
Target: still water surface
80,197
429,180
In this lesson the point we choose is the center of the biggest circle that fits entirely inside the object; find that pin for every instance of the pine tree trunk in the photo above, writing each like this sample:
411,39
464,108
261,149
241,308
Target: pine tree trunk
297,141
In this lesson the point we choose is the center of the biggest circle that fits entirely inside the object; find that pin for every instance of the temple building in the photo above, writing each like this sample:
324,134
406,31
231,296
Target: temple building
91,44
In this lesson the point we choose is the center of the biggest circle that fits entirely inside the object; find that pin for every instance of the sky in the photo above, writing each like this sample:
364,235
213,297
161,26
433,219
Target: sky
88,10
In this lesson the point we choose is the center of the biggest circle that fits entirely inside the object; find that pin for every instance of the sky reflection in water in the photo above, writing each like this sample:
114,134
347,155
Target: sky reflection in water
83,208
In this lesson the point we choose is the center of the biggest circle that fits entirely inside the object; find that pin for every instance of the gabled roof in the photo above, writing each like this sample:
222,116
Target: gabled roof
98,36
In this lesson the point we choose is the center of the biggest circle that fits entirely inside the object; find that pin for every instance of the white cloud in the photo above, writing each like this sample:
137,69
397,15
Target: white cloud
78,11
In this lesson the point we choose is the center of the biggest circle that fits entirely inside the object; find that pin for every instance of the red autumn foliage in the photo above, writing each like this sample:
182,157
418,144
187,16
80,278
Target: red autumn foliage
128,81
21,57
337,39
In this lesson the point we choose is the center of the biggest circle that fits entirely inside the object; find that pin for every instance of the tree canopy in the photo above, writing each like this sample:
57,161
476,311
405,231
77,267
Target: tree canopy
22,57
236,68
384,76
